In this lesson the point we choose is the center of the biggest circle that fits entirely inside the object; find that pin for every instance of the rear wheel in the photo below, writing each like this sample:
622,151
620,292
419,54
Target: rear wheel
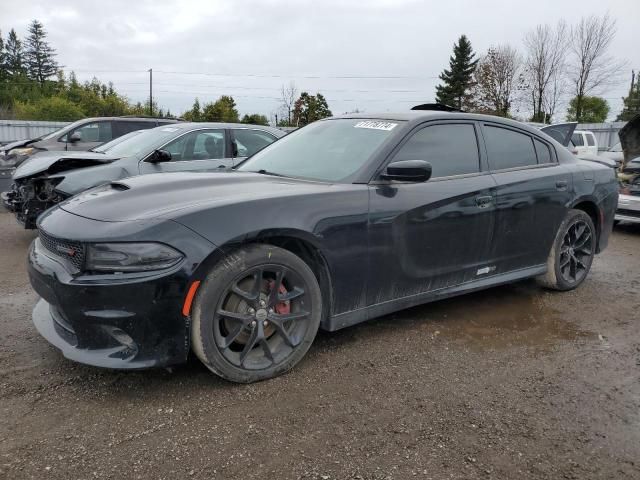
256,314
572,252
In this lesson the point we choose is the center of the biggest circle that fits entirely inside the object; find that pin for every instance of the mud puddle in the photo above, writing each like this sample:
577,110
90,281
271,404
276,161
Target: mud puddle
508,316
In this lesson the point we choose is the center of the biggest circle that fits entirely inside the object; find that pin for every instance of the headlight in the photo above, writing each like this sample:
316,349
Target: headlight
20,151
130,257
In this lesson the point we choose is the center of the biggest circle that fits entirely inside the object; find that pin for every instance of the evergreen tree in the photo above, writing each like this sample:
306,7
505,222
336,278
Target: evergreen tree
631,102
39,56
309,108
458,79
222,110
13,55
3,72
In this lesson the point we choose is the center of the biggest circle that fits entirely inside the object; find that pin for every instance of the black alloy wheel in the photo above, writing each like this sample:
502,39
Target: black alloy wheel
256,314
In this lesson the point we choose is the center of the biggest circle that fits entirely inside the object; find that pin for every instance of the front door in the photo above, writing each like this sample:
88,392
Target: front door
432,235
199,150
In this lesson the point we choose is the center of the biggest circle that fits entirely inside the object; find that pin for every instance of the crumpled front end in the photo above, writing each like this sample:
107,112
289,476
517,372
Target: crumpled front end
29,197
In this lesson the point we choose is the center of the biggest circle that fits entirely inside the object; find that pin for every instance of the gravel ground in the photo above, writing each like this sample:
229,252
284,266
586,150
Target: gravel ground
512,382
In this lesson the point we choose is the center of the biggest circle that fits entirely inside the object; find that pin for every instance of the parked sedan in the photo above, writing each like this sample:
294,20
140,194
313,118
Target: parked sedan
47,179
82,135
341,221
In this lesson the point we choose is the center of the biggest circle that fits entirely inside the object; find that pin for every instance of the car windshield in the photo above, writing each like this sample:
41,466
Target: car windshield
106,146
330,150
143,142
66,128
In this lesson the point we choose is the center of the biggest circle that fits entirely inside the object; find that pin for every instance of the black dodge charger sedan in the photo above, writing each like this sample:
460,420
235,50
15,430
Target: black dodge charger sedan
341,221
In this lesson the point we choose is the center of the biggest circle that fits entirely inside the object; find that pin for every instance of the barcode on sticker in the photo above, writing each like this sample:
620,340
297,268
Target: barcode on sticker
376,125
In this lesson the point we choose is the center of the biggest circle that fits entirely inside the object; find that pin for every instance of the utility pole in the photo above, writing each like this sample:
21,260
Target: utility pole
151,92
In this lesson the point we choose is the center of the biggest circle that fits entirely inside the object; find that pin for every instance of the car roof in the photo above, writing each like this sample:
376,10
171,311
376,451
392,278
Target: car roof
419,116
194,125
126,118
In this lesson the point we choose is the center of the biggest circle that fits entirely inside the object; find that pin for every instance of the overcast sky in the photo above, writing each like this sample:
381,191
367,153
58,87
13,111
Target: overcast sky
249,48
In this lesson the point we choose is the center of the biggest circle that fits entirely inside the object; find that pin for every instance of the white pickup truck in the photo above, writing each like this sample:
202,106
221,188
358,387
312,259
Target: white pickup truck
584,142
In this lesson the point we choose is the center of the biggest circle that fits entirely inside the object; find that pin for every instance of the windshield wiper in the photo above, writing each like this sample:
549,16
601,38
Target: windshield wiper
266,172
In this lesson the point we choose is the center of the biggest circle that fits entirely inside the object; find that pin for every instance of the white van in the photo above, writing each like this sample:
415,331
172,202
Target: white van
584,142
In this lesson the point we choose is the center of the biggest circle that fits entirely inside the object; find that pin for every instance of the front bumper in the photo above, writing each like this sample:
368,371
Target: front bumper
120,324
628,208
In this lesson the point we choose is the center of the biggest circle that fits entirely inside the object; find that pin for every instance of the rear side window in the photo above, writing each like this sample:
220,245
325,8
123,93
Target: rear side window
577,140
508,148
249,142
451,149
591,140
543,152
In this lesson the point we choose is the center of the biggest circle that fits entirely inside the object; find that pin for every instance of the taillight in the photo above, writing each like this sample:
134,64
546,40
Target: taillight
624,189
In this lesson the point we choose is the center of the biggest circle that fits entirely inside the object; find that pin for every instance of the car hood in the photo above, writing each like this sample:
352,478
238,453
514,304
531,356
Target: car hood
55,162
18,144
165,194
561,132
630,138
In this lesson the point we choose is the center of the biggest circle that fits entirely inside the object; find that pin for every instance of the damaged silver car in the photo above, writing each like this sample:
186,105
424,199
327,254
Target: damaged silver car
629,174
48,178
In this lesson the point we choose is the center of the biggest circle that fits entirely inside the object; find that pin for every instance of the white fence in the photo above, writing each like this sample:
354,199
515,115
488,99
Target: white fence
13,130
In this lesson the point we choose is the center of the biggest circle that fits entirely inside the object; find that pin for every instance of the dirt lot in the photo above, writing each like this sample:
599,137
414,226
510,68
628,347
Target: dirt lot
513,382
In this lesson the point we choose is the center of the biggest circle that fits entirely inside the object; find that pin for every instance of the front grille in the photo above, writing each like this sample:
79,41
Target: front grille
69,251
628,213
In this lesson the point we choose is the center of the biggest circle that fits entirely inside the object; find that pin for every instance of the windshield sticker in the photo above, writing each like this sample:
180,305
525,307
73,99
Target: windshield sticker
169,129
376,125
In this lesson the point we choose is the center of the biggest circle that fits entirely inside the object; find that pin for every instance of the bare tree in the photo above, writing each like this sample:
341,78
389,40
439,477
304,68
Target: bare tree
545,65
592,68
495,80
289,94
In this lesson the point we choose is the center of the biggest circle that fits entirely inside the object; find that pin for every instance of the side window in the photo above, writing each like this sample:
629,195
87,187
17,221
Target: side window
92,132
577,140
543,152
452,149
199,145
591,140
508,149
249,142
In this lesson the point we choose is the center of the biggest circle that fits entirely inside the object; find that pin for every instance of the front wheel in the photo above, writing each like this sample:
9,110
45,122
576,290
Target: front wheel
256,314
572,252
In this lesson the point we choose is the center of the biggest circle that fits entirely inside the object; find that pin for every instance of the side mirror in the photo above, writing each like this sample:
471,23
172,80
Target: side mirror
159,156
75,137
408,171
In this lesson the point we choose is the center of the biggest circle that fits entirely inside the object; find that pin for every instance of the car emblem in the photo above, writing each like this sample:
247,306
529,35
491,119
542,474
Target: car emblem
66,250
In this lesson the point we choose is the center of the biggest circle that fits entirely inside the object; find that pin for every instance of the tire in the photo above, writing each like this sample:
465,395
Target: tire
256,314
571,254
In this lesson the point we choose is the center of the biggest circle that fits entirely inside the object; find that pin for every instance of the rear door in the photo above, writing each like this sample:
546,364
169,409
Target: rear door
436,234
532,193
247,141
199,150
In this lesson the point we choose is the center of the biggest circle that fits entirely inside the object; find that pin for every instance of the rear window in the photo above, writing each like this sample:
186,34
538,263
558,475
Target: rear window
508,148
577,140
591,140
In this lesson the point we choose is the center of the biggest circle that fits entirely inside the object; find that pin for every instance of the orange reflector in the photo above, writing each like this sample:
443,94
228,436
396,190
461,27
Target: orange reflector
186,308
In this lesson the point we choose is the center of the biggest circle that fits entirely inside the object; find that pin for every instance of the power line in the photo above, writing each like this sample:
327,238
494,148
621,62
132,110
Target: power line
260,75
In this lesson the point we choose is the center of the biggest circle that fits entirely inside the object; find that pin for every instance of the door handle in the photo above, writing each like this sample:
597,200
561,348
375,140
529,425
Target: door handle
562,184
484,202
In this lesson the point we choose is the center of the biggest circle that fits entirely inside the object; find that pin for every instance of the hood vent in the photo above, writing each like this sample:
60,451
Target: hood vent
119,186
